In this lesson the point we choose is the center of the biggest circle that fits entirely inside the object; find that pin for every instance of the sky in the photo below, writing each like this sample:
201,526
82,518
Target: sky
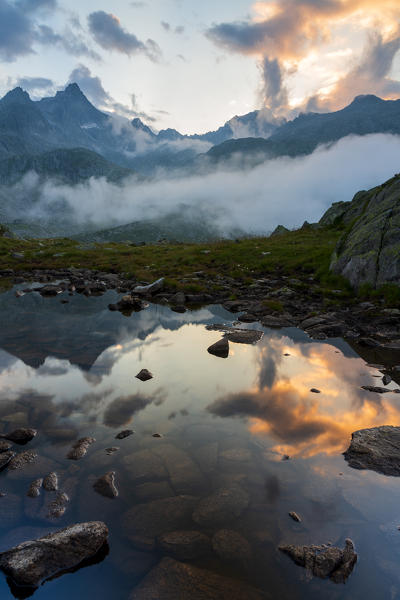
193,65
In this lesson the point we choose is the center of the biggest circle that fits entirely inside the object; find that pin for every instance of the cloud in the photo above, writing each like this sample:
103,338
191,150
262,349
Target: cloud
110,35
121,410
138,4
166,26
283,34
17,33
281,191
68,41
32,84
179,29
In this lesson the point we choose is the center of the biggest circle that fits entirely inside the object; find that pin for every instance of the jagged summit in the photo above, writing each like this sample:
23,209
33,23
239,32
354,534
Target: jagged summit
17,95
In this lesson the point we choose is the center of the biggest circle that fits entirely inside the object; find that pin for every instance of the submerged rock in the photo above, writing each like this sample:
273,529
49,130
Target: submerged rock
230,546
323,561
377,449
20,436
220,348
58,506
226,504
144,522
173,580
32,562
144,375
80,448
184,545
105,485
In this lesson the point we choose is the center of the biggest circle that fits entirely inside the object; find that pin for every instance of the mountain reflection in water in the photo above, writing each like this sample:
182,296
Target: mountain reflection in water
68,370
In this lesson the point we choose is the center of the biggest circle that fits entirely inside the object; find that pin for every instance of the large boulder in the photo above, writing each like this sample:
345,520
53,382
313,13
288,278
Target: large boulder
173,580
32,562
377,449
369,250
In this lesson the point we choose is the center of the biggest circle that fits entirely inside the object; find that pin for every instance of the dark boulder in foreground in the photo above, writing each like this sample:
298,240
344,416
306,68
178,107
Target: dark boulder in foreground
220,348
173,580
32,562
323,561
377,449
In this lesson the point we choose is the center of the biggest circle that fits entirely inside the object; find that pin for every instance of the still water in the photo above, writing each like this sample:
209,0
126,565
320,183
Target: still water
68,370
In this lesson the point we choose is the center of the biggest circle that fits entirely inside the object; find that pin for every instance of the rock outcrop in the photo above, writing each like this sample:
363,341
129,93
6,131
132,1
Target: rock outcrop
369,250
377,449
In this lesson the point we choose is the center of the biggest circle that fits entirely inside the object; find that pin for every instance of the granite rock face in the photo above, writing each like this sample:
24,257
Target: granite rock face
323,561
377,449
173,580
369,251
32,562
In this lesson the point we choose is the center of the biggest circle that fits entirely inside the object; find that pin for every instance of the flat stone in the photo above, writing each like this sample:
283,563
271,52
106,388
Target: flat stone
173,580
150,520
145,465
153,490
105,485
32,562
378,390
223,506
184,545
238,335
377,449
185,476
230,546
144,375
220,348
80,448
323,561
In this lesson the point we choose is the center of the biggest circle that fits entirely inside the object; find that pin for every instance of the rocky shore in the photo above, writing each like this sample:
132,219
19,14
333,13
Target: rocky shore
274,302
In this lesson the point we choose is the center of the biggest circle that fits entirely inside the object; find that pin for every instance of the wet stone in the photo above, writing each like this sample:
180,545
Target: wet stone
20,436
80,448
295,516
223,506
50,482
220,348
124,434
105,485
110,451
230,546
34,488
5,458
184,545
4,446
32,562
324,561
144,375
19,461
173,580
238,335
377,449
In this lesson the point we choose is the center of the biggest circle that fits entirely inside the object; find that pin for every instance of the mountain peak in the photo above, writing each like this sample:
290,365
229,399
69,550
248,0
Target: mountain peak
366,99
73,89
16,95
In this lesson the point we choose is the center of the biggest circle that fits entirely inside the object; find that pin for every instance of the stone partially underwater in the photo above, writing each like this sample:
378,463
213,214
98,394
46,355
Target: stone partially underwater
31,563
377,449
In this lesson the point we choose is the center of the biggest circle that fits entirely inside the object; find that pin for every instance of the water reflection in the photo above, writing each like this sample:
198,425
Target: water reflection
69,371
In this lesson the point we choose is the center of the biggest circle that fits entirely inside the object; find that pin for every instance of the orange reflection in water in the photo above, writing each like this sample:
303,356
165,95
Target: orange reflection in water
302,423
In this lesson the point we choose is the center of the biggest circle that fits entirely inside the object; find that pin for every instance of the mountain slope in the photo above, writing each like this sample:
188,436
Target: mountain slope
365,115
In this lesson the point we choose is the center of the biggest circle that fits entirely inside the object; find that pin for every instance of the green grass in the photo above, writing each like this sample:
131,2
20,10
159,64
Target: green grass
297,254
